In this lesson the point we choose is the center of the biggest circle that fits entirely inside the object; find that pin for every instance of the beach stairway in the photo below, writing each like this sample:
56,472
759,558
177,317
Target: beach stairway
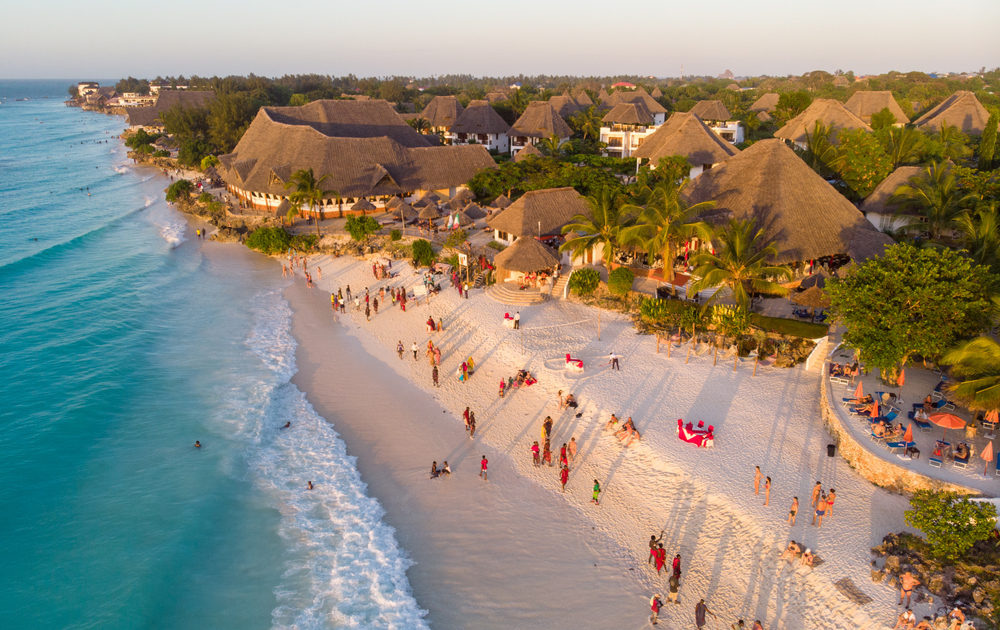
510,293
560,286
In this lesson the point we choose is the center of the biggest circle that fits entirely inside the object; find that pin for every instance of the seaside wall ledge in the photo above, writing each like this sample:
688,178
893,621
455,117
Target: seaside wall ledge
869,465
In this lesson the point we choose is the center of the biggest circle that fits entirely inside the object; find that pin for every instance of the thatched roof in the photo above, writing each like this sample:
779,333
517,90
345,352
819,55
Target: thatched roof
495,97
430,211
501,202
442,111
527,256
363,205
637,95
565,104
423,202
540,212
393,202
864,103
582,98
282,210
361,156
878,200
710,110
629,114
474,211
528,151
405,210
825,110
480,117
540,120
766,103
804,215
605,99
813,297
167,99
656,93
685,134
817,279
962,109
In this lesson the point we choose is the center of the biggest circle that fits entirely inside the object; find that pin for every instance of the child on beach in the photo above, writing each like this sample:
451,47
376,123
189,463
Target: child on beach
414,349
535,457
564,477
597,492
399,349
482,467
502,385
793,511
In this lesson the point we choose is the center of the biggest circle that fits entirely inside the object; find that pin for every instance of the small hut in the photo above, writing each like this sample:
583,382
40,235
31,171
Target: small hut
526,258
528,151
363,206
501,202
474,211
404,212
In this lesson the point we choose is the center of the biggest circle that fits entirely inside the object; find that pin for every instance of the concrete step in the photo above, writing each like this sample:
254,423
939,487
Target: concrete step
514,296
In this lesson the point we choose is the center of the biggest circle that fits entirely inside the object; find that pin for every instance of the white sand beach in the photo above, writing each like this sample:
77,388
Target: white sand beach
515,551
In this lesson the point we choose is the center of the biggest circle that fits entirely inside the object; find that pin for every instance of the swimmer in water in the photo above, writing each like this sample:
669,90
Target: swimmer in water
197,444
288,425
310,485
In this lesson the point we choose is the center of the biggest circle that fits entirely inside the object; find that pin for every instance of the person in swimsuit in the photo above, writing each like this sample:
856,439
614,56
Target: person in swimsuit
767,491
791,551
756,480
807,558
197,444
817,489
445,468
820,511
829,502
434,470
793,511
906,585
611,423
653,542
571,449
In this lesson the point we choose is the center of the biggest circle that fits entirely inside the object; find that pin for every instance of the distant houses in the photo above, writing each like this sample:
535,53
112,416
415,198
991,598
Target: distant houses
827,111
149,116
364,149
864,103
765,105
625,127
717,117
538,122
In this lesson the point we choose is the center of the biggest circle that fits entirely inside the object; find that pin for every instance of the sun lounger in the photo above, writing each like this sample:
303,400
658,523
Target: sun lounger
996,466
934,461
900,445
960,462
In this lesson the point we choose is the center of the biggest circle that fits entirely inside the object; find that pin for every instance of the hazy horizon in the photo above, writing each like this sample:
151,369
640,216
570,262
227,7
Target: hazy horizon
55,39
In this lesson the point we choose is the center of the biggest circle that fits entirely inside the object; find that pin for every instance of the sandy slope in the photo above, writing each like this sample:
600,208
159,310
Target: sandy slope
703,499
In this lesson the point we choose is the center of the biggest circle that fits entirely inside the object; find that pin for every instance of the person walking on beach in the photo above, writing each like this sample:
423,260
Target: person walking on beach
613,360
535,456
503,383
700,610
676,565
572,449
375,305
465,416
673,585
368,313
563,461
817,489
564,477
655,604
414,349
348,292
830,496
482,467
472,425
434,375
547,428
767,491
820,511
466,287
756,480
660,556
399,349
906,585
597,493
547,452
653,542
517,320
793,511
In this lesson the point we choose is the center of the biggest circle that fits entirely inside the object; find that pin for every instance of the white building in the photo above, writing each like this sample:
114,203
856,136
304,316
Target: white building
625,128
717,117
479,123
684,134
538,122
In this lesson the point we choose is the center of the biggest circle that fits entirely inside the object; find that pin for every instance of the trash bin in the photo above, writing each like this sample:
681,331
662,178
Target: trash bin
831,450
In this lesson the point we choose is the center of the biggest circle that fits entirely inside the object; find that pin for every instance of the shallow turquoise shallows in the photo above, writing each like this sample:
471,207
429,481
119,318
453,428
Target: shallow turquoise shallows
123,339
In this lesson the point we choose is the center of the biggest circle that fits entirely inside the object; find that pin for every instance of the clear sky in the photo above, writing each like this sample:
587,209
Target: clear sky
143,38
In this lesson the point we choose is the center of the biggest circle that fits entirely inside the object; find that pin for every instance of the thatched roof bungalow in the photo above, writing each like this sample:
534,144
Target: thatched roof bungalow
539,121
538,213
864,103
527,152
362,147
711,111
878,207
441,113
525,256
823,110
962,109
686,135
479,123
804,215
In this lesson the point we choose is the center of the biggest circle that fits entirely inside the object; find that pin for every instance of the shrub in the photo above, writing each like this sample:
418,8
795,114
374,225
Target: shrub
395,235
951,524
790,327
584,281
497,245
205,197
361,227
140,138
452,260
455,239
161,153
179,190
423,253
269,240
303,242
620,281
209,161
144,149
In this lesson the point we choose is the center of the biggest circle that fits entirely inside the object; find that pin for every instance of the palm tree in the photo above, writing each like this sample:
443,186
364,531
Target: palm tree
603,225
903,144
977,364
308,191
550,146
518,101
820,152
741,263
953,143
936,197
587,122
665,222
981,235
420,124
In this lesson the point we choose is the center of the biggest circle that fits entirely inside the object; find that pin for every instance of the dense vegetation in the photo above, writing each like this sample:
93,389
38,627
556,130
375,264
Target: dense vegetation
269,240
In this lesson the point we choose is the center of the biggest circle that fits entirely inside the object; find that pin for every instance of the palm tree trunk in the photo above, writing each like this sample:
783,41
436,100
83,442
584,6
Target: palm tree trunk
668,264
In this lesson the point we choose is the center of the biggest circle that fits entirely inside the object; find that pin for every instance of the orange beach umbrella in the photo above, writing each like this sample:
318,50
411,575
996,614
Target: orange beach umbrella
992,416
946,421
859,393
873,412
987,455
908,436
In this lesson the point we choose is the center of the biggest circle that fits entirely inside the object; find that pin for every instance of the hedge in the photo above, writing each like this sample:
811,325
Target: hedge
790,327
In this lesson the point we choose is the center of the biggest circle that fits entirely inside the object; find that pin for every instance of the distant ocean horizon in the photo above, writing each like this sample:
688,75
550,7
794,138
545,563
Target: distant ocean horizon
124,340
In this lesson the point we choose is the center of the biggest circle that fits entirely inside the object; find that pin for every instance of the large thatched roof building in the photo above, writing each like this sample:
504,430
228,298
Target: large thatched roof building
166,100
363,148
479,123
526,255
823,110
962,109
538,213
638,95
878,207
441,113
804,215
864,103
539,121
565,104
711,110
629,114
686,135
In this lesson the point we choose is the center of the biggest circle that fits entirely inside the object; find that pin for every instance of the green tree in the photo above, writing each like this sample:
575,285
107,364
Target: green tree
988,143
620,281
903,145
821,154
584,281
179,191
298,100
269,240
665,223
361,227
208,162
981,235
935,196
861,161
518,101
309,191
950,523
602,226
948,143
551,146
883,119
420,124
229,115
587,123
910,302
423,253
791,104
976,365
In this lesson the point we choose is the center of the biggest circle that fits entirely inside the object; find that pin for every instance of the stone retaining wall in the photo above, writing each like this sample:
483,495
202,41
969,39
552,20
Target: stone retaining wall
875,469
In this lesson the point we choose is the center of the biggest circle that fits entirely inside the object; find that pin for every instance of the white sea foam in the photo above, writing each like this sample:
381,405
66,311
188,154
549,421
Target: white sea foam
344,566
172,231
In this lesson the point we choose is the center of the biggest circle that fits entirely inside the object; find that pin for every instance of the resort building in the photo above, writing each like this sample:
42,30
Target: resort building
765,106
86,88
528,151
864,103
962,109
716,116
364,149
685,134
565,104
625,127
538,122
878,207
167,99
582,99
479,123
638,95
538,214
134,99
827,111
441,113
807,219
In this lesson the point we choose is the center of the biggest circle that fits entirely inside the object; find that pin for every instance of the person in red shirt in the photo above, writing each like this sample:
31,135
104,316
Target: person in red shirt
564,477
482,467
534,454
677,565
660,554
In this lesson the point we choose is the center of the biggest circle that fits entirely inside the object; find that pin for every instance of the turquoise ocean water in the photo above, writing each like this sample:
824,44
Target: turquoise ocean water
123,339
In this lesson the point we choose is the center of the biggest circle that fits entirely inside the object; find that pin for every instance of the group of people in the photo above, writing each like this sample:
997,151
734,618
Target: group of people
795,551
470,422
461,287
626,433
842,370
822,503
437,472
523,378
767,488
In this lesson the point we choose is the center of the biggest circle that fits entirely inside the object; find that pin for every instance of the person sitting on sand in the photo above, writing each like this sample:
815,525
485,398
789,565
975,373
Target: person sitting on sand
571,401
807,558
445,468
612,423
625,429
791,552
905,621
434,470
